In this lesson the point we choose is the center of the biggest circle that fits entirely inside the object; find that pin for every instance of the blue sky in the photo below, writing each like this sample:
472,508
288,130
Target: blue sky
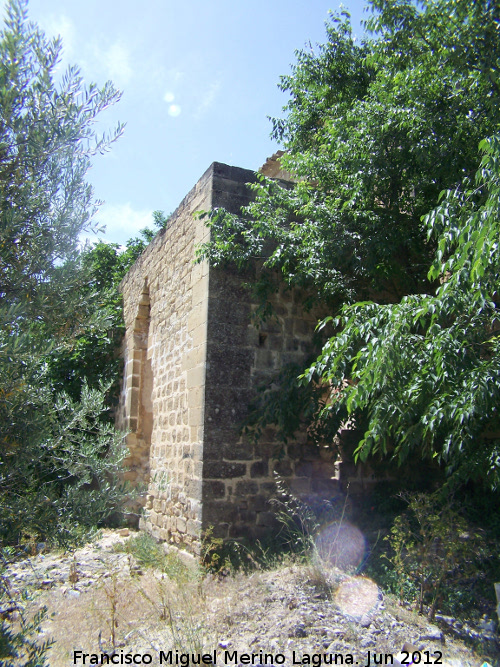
199,79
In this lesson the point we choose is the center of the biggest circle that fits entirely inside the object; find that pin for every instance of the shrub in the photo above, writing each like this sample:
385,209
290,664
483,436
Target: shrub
433,551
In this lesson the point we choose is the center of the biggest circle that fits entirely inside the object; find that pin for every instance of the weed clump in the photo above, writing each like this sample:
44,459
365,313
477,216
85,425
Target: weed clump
149,554
433,551
18,645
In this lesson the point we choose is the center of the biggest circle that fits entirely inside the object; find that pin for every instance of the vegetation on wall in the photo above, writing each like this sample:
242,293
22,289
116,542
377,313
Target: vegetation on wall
377,133
425,372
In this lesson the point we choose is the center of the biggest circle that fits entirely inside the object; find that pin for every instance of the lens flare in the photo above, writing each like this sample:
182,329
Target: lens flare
341,545
174,110
356,596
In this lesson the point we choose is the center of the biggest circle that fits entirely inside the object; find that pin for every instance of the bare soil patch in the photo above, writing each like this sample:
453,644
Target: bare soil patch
99,600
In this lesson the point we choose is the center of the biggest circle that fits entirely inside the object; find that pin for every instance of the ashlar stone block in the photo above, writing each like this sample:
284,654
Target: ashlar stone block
194,359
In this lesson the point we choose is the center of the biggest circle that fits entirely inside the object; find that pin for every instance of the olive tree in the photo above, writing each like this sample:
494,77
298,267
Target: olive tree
54,452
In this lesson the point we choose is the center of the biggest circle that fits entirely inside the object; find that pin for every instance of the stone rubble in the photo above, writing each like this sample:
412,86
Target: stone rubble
279,611
70,572
300,620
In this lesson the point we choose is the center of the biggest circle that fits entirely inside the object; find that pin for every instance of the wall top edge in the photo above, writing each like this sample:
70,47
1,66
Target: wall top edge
216,172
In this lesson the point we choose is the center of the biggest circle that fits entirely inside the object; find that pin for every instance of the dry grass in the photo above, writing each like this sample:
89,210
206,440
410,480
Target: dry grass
139,610
151,612
143,613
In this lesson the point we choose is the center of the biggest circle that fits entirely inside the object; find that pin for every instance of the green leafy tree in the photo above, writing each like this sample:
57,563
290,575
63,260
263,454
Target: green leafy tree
424,374
58,457
374,131
60,451
47,139
60,464
433,551
90,354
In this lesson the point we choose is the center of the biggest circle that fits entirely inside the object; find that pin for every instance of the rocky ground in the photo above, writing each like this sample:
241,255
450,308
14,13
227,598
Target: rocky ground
99,600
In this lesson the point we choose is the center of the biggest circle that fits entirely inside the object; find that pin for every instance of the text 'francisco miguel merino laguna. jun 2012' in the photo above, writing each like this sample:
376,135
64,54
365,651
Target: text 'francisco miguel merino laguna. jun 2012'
237,658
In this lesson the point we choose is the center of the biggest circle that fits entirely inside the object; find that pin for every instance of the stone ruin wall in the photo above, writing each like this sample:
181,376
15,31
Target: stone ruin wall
193,361
165,311
238,473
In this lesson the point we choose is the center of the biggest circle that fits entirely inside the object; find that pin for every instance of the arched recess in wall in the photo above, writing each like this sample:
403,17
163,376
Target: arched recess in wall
141,413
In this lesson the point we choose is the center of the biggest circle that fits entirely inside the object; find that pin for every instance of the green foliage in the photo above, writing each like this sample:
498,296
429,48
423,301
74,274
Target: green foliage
373,132
423,374
59,459
149,554
214,554
61,313
281,401
59,465
89,352
145,550
19,648
47,138
433,551
61,454
376,132
160,219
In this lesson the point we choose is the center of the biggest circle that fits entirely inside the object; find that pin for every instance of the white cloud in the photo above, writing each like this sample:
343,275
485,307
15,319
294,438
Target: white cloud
97,59
60,25
122,222
116,61
207,100
112,62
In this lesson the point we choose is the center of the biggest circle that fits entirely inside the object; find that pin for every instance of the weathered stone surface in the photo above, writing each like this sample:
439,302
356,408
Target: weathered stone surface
194,359
214,489
247,488
259,503
224,470
259,469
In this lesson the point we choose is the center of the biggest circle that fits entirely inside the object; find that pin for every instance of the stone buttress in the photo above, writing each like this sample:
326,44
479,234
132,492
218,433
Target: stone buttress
193,361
